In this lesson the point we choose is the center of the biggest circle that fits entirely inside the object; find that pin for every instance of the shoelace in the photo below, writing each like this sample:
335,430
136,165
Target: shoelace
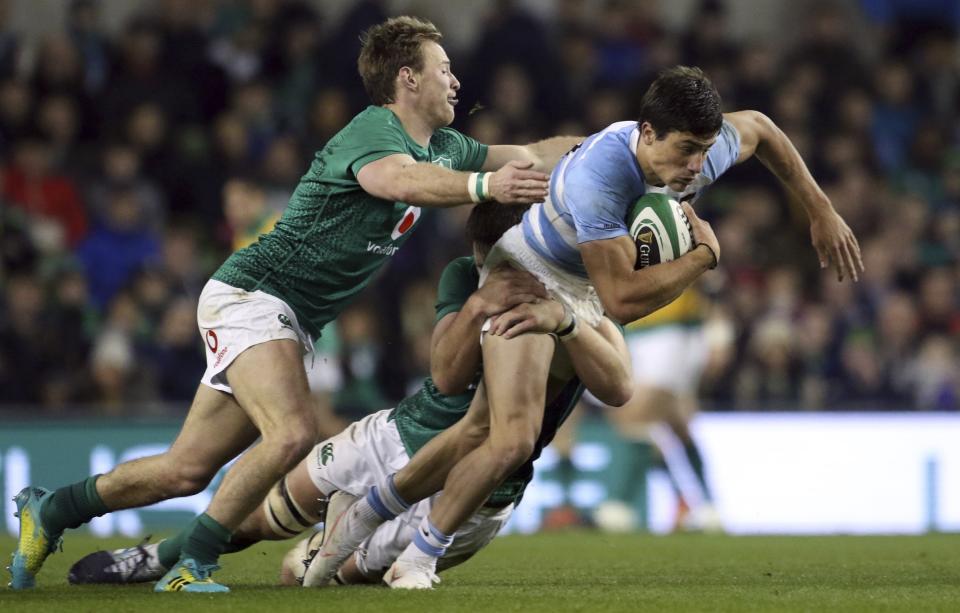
202,572
131,560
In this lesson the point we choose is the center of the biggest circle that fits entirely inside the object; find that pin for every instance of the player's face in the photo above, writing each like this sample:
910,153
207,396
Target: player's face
674,161
438,86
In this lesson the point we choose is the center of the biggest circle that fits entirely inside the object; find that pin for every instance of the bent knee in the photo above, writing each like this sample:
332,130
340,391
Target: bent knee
292,445
512,453
186,478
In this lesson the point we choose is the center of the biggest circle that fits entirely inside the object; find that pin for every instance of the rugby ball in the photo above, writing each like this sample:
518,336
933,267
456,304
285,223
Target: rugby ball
660,229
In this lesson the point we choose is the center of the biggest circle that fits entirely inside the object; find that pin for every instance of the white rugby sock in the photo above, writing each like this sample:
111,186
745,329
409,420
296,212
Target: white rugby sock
366,515
385,500
427,546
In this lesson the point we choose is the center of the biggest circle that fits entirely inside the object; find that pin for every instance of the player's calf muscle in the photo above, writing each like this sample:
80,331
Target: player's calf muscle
152,479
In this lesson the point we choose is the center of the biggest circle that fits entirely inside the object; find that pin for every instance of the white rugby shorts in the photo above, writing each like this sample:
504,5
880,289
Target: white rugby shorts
364,455
232,320
577,293
669,357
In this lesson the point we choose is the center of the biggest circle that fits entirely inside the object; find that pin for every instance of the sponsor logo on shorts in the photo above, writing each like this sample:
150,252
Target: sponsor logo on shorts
220,355
285,321
326,454
212,341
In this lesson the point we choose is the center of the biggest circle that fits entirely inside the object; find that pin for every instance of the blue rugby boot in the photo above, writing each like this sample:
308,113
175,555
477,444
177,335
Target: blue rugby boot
35,543
189,576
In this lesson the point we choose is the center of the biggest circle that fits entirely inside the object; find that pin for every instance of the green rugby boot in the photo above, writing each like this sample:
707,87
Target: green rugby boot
189,576
35,544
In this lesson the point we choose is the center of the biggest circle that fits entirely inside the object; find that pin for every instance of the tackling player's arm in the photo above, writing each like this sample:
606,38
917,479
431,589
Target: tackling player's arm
400,178
628,294
832,238
543,154
599,355
455,344
602,361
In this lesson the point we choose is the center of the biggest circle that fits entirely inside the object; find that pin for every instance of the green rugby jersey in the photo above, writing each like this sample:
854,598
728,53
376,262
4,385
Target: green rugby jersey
333,235
427,413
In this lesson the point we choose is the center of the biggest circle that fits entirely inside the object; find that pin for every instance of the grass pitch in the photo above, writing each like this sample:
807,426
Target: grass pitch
577,571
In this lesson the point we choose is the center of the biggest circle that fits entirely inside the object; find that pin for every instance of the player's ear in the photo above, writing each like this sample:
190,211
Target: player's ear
647,133
408,78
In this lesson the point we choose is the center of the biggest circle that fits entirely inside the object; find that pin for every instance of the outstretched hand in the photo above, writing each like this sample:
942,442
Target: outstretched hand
515,183
836,245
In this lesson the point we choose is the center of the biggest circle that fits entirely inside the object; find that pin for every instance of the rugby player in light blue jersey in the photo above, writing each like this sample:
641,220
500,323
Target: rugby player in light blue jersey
577,244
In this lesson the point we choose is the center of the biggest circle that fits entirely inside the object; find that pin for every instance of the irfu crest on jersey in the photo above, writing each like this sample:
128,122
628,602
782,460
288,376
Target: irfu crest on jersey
443,161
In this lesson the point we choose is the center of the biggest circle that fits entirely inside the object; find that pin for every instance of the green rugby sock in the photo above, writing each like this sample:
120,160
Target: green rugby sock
237,544
72,506
206,541
169,550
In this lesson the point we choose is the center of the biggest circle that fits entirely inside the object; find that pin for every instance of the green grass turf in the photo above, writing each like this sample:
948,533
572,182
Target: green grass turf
578,571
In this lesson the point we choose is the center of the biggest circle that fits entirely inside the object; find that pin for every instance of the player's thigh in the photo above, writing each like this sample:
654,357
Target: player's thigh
215,431
301,486
270,383
515,374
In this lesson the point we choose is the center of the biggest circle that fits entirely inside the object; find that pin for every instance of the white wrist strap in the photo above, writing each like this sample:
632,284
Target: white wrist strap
478,186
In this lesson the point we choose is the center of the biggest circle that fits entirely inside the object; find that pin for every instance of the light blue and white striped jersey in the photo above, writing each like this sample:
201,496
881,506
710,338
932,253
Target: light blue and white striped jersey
594,185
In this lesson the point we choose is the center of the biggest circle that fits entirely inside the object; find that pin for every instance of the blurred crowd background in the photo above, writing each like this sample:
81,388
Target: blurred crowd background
135,157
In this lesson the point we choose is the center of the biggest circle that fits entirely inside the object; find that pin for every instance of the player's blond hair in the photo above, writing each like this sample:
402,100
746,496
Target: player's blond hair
389,46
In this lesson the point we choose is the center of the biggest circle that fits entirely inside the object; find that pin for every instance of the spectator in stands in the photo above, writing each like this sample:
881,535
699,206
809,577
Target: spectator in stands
152,125
120,244
245,208
51,201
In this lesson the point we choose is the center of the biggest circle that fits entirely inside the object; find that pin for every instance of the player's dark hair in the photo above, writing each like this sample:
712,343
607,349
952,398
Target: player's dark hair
389,46
682,99
488,221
